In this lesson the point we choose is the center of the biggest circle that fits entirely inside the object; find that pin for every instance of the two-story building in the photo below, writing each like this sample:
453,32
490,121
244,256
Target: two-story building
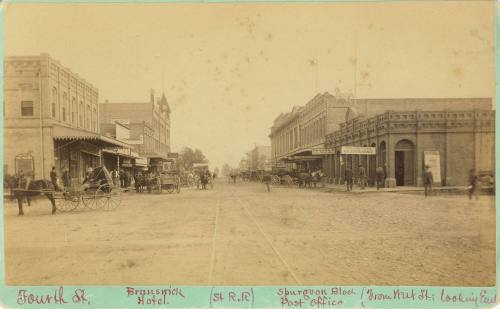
149,124
311,137
51,118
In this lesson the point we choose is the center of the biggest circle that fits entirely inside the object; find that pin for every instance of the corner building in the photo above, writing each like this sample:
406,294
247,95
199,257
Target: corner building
50,119
459,132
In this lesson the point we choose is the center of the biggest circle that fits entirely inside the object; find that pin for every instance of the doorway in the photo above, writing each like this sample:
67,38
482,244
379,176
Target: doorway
404,166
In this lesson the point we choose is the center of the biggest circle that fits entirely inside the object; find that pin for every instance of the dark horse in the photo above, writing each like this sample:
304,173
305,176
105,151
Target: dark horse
25,189
140,183
305,179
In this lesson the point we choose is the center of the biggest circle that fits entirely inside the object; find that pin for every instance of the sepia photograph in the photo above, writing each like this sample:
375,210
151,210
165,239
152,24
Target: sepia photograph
231,144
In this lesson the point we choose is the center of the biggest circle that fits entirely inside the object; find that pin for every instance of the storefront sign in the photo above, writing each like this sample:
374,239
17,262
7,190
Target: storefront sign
432,159
353,150
25,163
172,155
141,161
323,151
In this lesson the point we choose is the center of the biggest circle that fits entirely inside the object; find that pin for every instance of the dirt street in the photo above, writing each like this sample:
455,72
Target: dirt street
239,234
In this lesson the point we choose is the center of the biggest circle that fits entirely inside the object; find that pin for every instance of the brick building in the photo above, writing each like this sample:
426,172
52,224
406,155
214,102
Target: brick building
149,124
50,118
307,136
459,139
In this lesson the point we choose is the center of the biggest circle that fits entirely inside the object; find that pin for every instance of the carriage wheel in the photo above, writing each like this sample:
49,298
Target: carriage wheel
94,198
113,199
69,201
275,180
170,188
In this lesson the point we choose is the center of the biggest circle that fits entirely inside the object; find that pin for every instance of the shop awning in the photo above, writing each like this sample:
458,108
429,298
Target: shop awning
156,156
71,134
121,153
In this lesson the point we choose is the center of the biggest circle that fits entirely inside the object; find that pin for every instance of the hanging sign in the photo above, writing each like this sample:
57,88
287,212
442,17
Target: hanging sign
323,151
353,150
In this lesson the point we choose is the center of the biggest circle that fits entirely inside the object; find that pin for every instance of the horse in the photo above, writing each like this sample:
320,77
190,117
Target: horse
139,183
28,189
305,179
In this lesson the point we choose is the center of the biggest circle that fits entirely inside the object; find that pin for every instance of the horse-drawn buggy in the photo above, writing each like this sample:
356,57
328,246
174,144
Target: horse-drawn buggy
169,181
96,192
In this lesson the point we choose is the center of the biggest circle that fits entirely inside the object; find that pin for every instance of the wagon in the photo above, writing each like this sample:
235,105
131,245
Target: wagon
169,181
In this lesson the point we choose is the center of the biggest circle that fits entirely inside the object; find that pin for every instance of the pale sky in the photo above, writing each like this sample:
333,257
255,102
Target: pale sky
229,69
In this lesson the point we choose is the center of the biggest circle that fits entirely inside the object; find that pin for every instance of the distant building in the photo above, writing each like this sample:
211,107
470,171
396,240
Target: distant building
50,119
149,124
311,137
258,157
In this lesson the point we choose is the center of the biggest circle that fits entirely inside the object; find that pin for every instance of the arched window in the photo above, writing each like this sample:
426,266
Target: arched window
73,110
87,118
94,120
65,106
80,113
54,102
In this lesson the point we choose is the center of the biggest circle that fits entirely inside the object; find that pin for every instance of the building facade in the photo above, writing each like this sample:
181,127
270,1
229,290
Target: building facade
149,124
457,140
50,119
308,136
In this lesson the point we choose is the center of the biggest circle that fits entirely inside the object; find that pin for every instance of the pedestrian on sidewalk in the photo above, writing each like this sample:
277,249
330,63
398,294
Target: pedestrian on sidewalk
379,171
348,178
362,176
473,182
428,180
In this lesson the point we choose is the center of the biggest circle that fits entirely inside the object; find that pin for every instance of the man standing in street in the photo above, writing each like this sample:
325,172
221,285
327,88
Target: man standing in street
428,180
266,179
66,178
380,177
322,178
362,177
473,181
348,178
53,178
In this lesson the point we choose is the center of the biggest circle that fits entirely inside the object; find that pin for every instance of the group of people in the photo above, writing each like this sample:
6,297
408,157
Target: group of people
204,178
380,175
121,178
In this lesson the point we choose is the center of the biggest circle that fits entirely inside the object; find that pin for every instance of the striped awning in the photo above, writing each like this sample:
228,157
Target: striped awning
71,134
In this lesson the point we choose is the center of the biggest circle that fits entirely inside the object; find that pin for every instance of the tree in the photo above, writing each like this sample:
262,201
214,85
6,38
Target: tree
188,157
